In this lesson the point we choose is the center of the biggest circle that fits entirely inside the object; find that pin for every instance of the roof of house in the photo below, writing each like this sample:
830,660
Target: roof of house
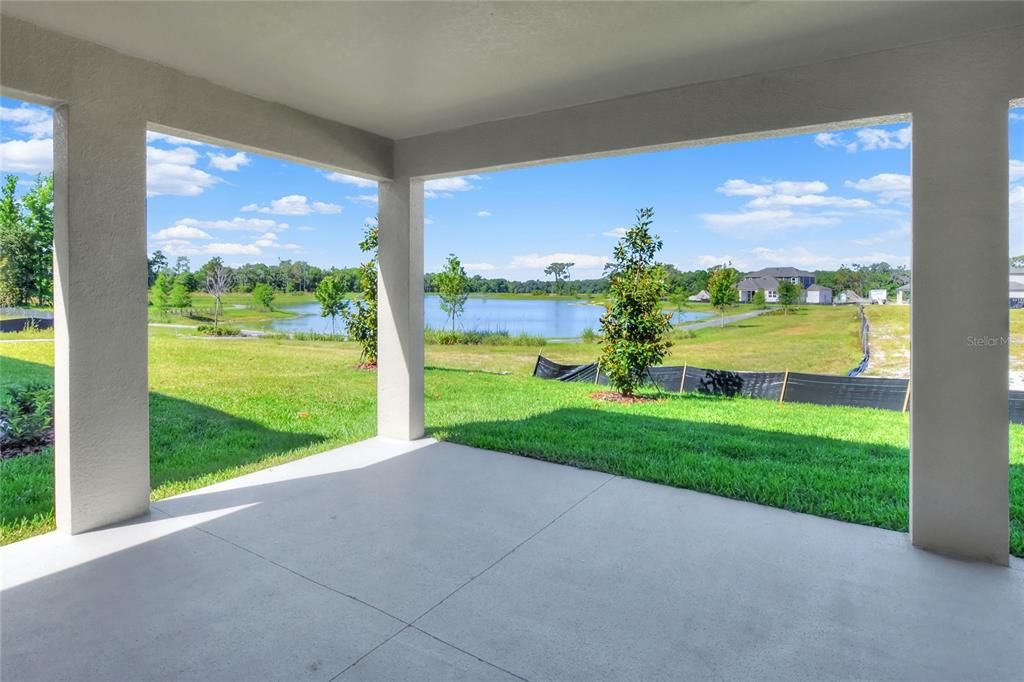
700,296
1017,271
780,272
818,287
1016,286
758,283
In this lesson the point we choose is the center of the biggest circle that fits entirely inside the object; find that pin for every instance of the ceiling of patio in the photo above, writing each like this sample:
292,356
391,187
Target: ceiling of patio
403,69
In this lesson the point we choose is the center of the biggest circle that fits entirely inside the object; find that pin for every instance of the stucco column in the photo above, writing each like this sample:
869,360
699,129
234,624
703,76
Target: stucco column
100,371
400,315
959,326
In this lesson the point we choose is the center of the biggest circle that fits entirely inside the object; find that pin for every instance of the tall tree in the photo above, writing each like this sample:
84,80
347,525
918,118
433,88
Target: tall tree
558,271
219,281
722,289
331,295
26,243
453,288
361,316
160,293
634,330
181,265
181,298
157,264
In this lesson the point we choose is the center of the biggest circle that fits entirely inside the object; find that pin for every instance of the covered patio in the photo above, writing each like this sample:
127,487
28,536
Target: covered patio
401,557
386,560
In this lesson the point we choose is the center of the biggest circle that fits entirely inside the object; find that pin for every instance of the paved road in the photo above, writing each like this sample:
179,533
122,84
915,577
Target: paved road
717,321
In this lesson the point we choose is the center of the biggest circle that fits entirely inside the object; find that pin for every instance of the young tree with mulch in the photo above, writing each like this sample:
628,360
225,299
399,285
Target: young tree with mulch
452,288
722,289
789,295
634,330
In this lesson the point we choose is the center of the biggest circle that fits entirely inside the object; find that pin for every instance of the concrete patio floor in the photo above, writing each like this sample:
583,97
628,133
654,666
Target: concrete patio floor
430,561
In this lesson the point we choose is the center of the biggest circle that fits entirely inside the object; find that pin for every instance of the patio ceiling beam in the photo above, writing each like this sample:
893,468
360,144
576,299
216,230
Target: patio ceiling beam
53,68
828,95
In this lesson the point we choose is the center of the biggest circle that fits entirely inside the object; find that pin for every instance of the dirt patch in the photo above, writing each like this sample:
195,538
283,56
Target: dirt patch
613,397
368,366
12,451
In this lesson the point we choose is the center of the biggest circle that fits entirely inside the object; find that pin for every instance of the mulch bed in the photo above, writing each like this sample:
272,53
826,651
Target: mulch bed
613,397
369,366
12,451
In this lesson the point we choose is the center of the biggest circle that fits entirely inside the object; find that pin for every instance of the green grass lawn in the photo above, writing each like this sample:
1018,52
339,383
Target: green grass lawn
817,339
224,407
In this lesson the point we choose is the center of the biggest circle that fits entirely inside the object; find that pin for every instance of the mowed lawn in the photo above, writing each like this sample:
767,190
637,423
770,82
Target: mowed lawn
816,339
223,407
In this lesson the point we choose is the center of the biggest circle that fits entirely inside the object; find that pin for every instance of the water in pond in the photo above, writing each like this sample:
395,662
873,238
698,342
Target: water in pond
548,318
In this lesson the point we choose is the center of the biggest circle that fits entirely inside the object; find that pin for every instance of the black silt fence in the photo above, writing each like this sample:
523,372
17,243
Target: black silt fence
823,389
729,383
865,344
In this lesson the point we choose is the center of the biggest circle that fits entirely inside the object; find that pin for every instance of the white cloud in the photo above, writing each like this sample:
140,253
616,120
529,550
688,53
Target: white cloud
617,232
483,214
294,204
232,249
888,186
306,228
173,171
229,163
870,139
26,156
428,221
827,140
867,139
478,267
901,233
181,231
1016,170
534,261
1017,115
368,198
444,187
268,239
808,200
709,261
153,136
350,179
743,188
34,121
748,223
1017,196
239,224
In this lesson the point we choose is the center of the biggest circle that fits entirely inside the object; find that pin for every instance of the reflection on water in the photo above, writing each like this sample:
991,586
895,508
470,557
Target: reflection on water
549,318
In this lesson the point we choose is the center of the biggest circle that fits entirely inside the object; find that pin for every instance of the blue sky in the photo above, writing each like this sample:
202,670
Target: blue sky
812,201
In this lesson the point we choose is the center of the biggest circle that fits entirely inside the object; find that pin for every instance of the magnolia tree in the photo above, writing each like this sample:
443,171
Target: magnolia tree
634,330
361,316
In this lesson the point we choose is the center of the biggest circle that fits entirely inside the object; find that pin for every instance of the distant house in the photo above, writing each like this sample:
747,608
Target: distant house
880,296
903,294
795,275
1016,294
701,296
818,294
749,286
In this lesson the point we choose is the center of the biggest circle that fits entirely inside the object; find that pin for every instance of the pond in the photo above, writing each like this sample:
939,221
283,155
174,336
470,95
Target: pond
551,319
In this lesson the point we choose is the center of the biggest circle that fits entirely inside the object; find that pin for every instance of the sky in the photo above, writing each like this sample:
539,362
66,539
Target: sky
811,201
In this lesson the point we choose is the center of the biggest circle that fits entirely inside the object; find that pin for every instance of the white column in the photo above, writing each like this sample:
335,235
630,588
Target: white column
100,371
959,325
400,315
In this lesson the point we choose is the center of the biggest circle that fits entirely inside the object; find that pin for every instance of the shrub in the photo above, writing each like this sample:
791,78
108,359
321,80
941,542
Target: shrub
212,330
447,337
26,419
588,335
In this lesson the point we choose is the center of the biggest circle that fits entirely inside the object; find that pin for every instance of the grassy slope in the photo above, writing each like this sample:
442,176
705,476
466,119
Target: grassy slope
222,407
